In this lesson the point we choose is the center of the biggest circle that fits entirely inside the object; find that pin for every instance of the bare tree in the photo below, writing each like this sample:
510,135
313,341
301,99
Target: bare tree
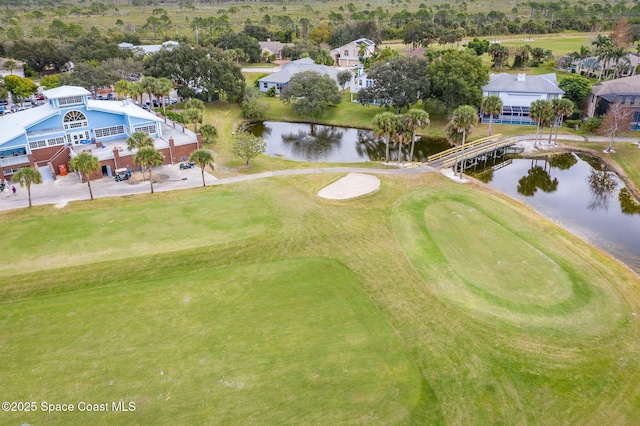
617,120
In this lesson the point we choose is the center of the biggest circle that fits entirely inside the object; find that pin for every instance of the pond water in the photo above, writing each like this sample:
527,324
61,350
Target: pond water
579,193
318,143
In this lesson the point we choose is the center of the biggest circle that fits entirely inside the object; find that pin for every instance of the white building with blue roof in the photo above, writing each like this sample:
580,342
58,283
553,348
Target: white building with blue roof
47,136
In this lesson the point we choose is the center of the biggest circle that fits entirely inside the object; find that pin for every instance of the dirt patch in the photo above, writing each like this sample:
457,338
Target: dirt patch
136,177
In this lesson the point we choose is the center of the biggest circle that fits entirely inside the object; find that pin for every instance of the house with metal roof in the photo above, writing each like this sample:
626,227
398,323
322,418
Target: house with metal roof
280,79
48,136
518,92
625,91
144,49
349,54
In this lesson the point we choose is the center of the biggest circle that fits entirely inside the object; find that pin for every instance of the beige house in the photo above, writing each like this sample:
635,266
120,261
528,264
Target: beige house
624,90
349,54
272,48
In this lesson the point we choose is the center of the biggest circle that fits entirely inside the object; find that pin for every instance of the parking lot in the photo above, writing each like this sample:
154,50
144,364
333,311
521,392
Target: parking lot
69,188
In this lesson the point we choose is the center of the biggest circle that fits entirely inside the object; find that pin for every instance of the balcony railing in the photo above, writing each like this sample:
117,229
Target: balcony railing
14,161
40,132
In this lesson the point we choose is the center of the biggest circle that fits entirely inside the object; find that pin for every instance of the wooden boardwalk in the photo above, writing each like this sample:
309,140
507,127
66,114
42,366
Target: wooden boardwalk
474,152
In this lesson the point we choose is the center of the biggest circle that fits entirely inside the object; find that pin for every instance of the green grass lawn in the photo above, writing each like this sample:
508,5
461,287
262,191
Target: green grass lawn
261,343
426,302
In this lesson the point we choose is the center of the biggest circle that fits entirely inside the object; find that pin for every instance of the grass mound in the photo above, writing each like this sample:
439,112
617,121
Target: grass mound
486,265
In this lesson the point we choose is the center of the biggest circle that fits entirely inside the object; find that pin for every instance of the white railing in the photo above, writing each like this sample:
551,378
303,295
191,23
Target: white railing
189,132
40,132
13,161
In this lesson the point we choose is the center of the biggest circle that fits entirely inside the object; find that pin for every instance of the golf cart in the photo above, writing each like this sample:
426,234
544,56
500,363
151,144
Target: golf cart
122,174
187,165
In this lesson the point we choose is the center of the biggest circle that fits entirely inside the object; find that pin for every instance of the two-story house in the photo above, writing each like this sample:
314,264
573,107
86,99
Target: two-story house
625,91
48,136
349,54
517,93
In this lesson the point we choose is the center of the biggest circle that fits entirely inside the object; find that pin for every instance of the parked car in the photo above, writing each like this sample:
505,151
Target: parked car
4,101
39,97
187,165
110,97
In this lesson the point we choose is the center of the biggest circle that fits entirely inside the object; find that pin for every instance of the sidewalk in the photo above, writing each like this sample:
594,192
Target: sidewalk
69,188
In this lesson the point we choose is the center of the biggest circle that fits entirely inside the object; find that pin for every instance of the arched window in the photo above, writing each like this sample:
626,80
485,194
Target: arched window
346,52
74,120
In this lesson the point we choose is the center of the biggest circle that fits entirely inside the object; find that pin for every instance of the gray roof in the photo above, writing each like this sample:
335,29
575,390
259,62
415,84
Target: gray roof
289,70
619,87
365,41
522,83
273,46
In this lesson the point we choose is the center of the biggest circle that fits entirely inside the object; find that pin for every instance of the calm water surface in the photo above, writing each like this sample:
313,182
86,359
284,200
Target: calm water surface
317,143
581,195
574,191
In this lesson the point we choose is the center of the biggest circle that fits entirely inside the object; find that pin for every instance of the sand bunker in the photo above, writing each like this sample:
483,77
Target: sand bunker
350,186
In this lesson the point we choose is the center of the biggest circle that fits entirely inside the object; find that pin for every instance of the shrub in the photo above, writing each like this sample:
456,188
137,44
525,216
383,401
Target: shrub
175,116
271,92
591,124
574,124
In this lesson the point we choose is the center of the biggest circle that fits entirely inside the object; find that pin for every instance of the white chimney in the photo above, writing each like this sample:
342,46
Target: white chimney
521,76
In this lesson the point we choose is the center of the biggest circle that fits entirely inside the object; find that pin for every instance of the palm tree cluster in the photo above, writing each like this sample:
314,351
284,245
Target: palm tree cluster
400,129
548,114
610,59
158,87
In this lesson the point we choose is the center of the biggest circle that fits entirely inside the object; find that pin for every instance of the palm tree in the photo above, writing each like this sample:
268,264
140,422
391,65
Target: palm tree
402,136
463,119
139,139
604,50
193,116
193,112
136,90
491,105
147,157
539,112
203,158
208,132
561,108
148,85
85,163
194,103
581,55
415,119
162,89
617,55
27,176
122,87
385,126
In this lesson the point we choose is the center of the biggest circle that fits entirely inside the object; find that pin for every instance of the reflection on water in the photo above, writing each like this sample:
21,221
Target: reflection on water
602,184
537,178
582,195
314,142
